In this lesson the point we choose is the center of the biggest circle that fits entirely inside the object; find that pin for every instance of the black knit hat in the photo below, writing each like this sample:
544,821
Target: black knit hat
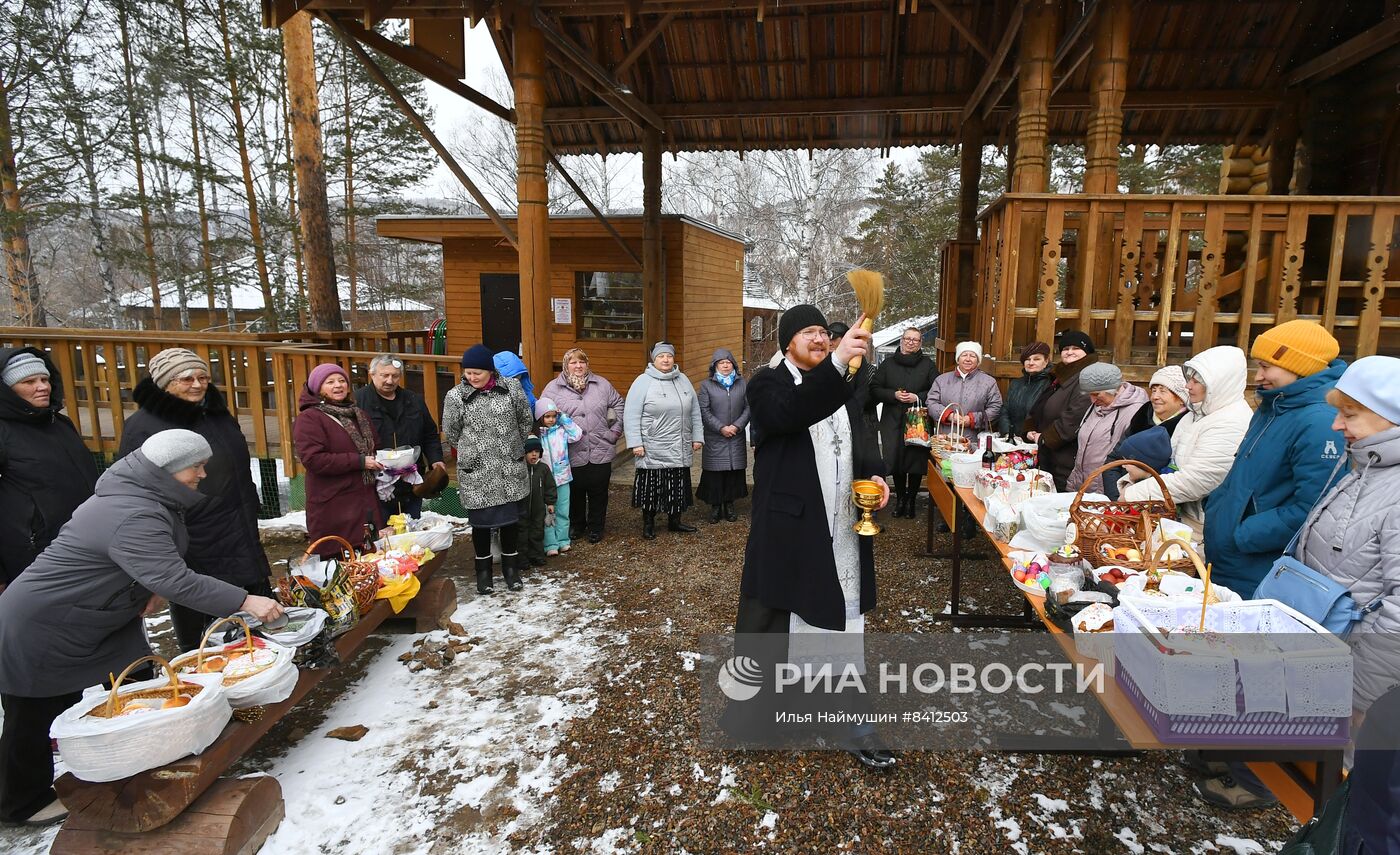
1074,338
479,356
532,443
797,319
838,329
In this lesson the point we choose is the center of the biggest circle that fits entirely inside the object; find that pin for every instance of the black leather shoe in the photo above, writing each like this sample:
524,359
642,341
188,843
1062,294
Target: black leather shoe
875,759
576,532
673,523
595,536
649,525
715,513
729,513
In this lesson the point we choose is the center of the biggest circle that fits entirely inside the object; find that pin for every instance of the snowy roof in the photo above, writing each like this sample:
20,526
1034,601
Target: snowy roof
890,334
756,298
247,292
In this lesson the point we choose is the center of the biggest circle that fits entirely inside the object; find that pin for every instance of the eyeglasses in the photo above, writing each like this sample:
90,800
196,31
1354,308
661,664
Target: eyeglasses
816,334
197,380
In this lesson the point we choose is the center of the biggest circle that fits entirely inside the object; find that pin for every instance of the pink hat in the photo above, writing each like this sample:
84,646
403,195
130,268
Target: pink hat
321,373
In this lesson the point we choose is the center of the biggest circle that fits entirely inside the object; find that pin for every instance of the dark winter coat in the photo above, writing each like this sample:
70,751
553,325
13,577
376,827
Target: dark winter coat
488,428
1279,473
1373,805
788,562
338,501
1152,446
1057,414
402,421
1021,395
720,407
224,529
543,493
590,410
912,373
45,471
74,616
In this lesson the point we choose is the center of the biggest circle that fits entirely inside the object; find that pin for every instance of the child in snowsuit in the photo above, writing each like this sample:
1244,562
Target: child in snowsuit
536,507
557,431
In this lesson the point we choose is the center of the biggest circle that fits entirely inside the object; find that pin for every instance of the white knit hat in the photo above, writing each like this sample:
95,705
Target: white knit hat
965,346
176,449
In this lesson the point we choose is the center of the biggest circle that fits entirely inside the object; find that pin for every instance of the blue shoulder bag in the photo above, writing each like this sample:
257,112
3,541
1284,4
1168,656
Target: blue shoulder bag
1311,593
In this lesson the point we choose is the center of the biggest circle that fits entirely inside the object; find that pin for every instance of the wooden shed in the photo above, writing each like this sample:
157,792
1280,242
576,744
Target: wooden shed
595,289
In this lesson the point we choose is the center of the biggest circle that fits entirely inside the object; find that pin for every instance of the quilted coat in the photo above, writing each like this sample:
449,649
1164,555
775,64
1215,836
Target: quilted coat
663,416
720,407
976,393
488,428
590,409
1100,432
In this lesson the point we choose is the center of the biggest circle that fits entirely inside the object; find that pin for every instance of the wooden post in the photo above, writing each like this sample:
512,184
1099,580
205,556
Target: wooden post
532,191
1108,81
1031,173
1283,147
970,177
313,210
653,260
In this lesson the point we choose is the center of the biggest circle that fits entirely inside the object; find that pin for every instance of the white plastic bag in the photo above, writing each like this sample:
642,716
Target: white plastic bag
303,625
1045,519
270,685
438,539
109,749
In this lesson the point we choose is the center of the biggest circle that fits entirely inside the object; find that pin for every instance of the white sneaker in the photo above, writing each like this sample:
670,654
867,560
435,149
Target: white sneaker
55,812
552,552
565,548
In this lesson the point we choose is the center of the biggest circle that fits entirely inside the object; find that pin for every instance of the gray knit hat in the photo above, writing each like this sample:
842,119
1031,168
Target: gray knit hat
170,363
662,347
1100,377
176,449
22,366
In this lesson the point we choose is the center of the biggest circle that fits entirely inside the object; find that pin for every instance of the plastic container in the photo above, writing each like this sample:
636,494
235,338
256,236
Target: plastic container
965,469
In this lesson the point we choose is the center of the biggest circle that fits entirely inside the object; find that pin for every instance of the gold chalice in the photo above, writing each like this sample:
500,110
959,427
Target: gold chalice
866,495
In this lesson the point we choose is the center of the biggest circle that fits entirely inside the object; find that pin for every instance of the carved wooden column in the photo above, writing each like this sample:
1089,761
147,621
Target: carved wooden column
532,190
653,258
1108,81
1031,173
964,302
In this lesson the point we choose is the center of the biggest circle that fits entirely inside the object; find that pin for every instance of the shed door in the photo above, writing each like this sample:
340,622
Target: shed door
500,311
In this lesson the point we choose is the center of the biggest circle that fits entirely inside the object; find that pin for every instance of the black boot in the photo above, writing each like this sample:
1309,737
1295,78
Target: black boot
729,512
715,512
673,523
898,502
510,568
649,525
909,499
483,576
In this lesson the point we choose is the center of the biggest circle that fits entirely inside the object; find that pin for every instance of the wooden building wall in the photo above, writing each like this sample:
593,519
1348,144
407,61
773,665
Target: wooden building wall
703,292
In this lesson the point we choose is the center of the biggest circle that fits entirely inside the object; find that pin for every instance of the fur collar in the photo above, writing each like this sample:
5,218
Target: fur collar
161,404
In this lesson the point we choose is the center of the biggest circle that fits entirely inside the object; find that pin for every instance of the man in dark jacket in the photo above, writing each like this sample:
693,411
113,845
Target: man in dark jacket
805,570
178,393
401,418
45,469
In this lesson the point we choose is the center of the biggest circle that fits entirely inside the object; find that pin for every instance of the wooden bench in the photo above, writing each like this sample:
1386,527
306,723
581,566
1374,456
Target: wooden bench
186,807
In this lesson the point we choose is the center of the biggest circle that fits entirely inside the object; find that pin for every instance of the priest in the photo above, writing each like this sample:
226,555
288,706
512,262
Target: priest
807,573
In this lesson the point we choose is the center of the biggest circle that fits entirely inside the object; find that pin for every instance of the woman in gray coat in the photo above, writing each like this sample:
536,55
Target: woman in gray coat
724,411
661,420
74,616
486,418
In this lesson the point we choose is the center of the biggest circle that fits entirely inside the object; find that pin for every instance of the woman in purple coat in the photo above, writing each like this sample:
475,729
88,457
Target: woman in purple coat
335,441
594,405
974,391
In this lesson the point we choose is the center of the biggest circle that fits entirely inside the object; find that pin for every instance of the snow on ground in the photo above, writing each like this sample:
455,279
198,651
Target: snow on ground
455,760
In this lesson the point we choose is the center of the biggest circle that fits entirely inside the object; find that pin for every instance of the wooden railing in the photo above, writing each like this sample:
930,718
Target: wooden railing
260,373
1153,279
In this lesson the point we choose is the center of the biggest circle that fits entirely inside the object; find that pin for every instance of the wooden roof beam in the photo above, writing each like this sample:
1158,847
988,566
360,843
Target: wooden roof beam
377,10
968,35
275,13
643,43
998,59
1065,52
588,203
1357,49
581,65
424,63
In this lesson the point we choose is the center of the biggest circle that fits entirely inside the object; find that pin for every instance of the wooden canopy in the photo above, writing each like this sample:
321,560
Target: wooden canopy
769,74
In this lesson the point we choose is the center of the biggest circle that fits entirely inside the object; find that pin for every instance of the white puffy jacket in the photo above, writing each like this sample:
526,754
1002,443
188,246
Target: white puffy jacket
1205,442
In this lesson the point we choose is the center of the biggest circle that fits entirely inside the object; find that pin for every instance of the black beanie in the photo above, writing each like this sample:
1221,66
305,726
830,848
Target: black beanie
1076,338
795,320
479,357
838,329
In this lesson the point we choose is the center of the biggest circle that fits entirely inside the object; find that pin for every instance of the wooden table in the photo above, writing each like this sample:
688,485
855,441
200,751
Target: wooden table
1302,779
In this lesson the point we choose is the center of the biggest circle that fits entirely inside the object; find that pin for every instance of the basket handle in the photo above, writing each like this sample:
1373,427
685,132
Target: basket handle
203,642
1162,548
349,548
118,680
1089,479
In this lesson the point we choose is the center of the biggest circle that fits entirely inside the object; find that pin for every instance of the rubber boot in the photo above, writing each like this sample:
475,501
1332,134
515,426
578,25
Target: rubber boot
510,568
729,513
673,523
483,576
649,525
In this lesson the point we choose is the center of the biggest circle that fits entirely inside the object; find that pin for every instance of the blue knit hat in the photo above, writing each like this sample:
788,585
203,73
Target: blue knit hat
479,357
1374,382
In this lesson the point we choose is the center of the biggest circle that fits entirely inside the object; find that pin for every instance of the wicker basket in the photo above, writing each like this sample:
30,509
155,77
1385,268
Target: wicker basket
1191,565
954,441
364,576
1121,524
109,707
183,662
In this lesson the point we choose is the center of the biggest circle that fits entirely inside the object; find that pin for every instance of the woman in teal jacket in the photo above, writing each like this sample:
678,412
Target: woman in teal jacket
1285,459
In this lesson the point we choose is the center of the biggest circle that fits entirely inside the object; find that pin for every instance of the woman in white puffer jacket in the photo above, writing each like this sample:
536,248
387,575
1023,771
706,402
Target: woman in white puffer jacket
1205,442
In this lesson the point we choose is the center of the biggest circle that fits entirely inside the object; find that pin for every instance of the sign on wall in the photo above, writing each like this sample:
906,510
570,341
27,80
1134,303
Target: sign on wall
563,311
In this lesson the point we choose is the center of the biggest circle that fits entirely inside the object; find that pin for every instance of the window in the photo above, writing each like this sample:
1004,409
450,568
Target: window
756,328
609,306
